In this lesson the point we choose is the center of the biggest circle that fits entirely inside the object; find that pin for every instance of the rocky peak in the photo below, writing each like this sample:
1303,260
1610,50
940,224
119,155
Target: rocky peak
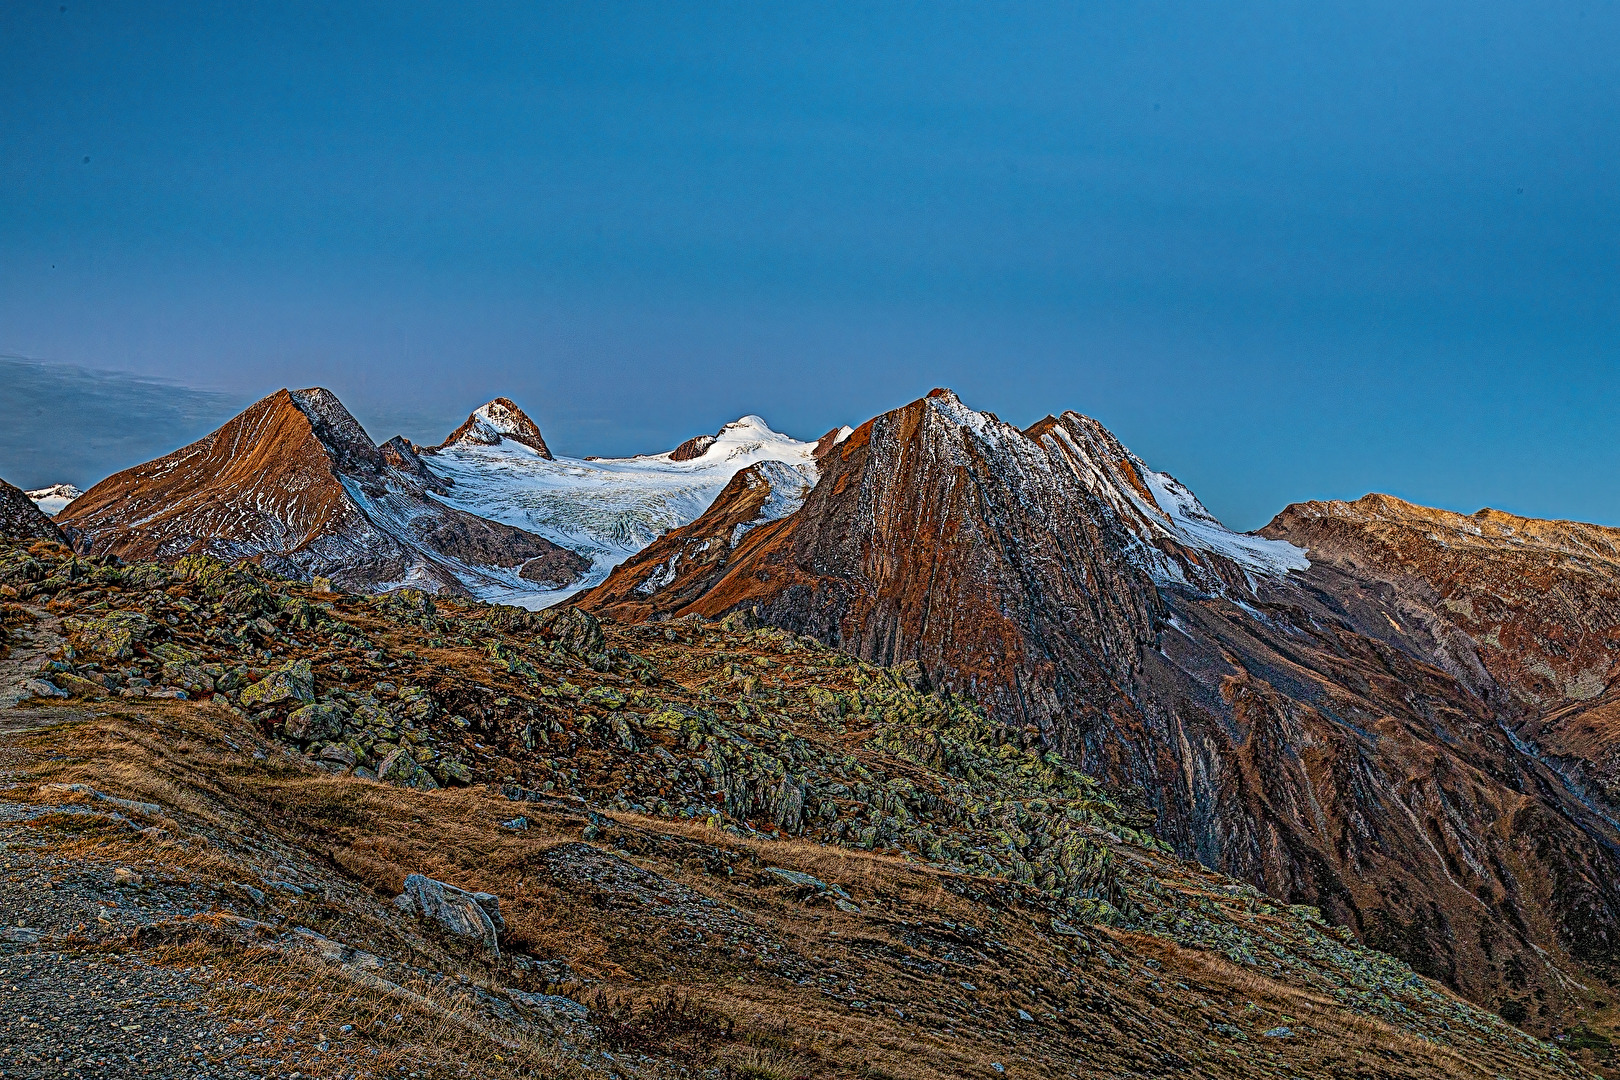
692,448
499,421
20,519
337,430
400,453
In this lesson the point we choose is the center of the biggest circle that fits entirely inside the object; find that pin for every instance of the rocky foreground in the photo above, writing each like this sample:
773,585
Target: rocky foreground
254,827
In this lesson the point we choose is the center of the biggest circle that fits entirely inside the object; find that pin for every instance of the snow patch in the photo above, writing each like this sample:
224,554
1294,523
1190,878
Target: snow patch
53,500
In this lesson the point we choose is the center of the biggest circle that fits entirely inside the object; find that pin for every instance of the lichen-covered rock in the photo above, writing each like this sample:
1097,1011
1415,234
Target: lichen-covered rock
293,682
192,679
113,636
574,630
78,686
314,722
402,770
449,771
605,696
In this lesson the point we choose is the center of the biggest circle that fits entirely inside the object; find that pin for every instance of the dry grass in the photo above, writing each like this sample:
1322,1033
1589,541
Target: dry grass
229,816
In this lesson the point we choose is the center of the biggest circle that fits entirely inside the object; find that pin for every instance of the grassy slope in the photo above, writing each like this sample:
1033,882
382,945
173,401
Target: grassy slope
665,770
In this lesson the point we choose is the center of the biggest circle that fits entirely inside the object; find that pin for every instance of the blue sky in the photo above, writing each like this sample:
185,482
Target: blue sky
1285,251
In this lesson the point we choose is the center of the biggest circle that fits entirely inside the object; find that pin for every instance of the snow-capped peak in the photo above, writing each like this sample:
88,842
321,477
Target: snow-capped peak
736,445
54,499
499,421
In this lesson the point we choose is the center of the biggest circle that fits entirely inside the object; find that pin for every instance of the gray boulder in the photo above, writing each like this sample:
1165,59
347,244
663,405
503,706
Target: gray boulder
401,769
293,682
313,722
459,912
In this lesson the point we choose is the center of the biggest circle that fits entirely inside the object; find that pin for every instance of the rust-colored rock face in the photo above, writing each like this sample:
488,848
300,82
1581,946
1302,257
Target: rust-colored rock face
1286,723
499,421
692,448
20,519
1526,609
1524,612
296,483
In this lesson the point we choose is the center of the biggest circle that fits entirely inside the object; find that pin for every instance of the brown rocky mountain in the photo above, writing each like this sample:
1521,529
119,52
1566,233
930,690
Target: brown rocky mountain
499,421
20,519
1283,720
295,483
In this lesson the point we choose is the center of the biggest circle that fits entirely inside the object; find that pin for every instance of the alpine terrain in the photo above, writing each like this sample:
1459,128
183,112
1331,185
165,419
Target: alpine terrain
605,508
257,828
295,483
935,747
1317,710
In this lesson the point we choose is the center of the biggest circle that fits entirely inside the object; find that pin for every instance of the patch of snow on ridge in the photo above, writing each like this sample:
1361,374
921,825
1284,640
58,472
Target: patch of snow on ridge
1200,529
53,500
609,508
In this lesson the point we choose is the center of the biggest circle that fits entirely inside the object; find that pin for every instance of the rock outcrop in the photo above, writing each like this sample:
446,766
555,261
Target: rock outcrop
295,483
20,519
1282,723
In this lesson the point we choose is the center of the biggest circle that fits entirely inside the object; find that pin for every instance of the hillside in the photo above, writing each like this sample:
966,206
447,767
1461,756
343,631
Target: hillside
710,847
1284,723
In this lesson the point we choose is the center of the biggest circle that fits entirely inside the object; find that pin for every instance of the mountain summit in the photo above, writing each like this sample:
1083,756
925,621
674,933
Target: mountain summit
1283,712
499,421
295,483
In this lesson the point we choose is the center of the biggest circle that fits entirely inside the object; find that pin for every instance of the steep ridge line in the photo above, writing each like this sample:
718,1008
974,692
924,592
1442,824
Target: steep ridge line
1282,725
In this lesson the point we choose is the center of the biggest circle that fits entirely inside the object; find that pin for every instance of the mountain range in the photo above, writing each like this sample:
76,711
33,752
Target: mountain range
1405,716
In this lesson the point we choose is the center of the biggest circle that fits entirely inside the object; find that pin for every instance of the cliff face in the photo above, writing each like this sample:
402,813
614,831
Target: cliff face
1283,723
296,483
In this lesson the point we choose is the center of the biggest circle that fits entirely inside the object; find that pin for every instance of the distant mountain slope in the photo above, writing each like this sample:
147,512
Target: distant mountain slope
1282,725
1525,612
20,519
605,508
295,483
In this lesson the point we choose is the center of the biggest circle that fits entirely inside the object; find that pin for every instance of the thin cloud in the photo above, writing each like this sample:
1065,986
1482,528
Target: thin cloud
60,423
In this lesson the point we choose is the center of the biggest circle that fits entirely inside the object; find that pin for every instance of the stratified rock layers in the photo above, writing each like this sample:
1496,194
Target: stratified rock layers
1283,728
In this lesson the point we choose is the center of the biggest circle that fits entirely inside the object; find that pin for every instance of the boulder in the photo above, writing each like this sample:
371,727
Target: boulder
459,912
188,677
113,636
449,771
340,754
41,688
577,631
314,722
401,769
78,686
293,682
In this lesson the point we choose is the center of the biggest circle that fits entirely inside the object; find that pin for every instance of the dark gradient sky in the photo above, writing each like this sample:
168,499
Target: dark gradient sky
1285,251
